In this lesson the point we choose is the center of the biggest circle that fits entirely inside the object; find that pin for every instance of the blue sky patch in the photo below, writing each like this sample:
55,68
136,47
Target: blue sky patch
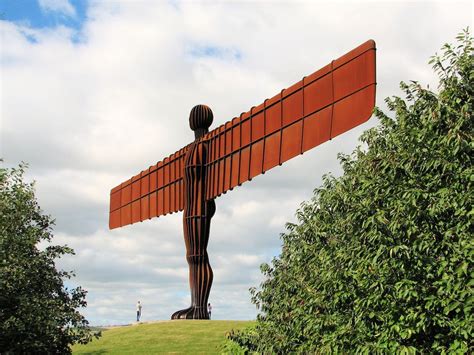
210,51
31,14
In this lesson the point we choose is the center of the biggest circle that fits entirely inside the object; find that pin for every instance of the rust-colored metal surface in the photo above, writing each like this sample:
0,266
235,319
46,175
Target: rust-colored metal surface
321,106
154,192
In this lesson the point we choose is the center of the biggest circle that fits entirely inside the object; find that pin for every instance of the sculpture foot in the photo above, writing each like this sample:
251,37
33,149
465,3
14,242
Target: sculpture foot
193,312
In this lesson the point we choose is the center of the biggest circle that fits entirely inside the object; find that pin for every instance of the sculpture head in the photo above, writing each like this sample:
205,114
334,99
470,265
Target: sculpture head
200,119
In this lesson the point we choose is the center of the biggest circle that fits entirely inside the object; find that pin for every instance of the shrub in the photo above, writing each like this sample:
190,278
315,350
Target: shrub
381,259
38,315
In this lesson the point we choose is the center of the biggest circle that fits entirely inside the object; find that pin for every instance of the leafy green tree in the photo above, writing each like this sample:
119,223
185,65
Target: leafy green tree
381,259
38,314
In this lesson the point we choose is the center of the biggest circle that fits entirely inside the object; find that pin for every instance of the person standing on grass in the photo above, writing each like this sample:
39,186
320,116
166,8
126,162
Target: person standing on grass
139,311
209,309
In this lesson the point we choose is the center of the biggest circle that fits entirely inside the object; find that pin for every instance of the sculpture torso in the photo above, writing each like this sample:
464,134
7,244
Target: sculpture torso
195,204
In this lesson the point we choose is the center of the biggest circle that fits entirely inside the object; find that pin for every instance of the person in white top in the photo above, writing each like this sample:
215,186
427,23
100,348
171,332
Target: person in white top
209,309
139,311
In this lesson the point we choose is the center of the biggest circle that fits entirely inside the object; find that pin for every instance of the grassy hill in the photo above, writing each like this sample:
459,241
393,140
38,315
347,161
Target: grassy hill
179,337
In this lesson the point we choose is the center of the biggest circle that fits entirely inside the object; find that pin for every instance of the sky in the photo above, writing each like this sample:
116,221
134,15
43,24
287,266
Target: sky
92,92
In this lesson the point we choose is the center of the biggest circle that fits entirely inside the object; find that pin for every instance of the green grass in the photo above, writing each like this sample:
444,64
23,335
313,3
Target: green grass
179,337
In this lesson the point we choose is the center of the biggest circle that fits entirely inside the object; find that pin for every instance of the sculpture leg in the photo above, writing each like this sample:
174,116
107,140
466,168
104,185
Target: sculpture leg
200,271
200,279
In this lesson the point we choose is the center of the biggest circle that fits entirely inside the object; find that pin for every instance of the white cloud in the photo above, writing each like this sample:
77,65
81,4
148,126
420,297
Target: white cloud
89,115
62,7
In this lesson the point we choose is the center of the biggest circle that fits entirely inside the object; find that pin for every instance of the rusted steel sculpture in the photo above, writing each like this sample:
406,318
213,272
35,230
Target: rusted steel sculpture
321,106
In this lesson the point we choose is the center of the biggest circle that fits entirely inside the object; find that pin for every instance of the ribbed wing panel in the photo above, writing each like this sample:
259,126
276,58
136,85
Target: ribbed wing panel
154,192
319,107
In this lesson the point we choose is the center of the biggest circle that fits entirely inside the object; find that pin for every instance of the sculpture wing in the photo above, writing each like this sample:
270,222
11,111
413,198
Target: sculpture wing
154,192
321,106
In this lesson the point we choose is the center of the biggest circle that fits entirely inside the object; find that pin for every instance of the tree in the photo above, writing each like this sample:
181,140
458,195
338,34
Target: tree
38,314
381,259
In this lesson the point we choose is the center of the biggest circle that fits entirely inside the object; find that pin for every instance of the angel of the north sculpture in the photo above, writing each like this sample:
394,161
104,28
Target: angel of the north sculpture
317,108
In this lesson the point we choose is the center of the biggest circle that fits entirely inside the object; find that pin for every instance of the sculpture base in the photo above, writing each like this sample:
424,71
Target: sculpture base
193,312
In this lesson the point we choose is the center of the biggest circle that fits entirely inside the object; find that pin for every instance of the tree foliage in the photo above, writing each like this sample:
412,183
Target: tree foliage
38,314
381,259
